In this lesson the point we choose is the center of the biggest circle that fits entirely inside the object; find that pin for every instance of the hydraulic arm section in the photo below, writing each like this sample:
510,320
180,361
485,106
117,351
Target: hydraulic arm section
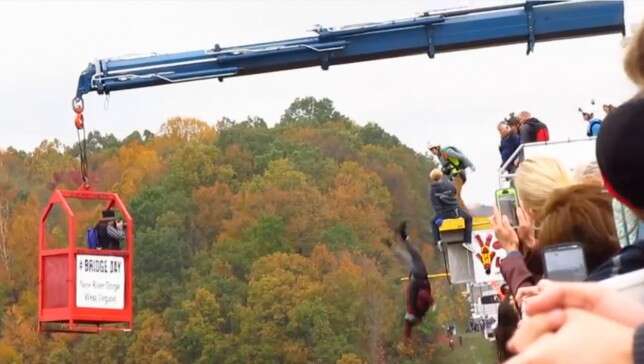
429,33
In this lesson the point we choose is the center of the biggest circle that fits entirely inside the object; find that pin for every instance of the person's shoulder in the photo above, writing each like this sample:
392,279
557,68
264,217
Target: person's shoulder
628,259
438,184
445,183
639,244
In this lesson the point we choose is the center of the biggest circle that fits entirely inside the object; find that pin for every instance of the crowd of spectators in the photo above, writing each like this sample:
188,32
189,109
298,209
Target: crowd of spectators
599,207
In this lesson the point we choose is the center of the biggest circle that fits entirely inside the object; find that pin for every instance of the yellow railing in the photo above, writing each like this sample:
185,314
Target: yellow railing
478,223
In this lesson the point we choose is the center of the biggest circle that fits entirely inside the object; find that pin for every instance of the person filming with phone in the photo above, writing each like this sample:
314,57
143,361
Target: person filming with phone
576,236
535,180
111,231
586,322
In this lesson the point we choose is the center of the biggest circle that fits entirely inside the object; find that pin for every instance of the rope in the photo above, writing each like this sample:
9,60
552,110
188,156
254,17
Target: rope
79,122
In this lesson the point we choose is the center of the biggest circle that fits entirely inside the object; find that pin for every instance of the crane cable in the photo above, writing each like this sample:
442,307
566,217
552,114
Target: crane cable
79,122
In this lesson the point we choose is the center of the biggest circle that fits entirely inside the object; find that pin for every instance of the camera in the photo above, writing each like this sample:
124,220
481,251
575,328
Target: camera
565,262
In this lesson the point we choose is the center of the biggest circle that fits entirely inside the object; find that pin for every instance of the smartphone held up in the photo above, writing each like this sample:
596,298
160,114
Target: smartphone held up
565,262
506,202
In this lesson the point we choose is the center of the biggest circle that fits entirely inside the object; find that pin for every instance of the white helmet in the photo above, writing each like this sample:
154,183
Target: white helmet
431,145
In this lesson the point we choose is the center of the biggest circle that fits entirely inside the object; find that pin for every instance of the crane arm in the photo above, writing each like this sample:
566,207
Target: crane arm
429,33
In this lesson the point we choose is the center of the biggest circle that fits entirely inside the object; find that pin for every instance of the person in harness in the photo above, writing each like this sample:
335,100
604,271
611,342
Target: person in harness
109,231
445,204
453,163
531,129
419,292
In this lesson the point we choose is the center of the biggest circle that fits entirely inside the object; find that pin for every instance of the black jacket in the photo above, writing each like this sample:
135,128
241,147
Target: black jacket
530,129
105,241
630,258
443,196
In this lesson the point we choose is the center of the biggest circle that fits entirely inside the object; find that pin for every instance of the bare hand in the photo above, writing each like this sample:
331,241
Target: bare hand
504,232
525,230
571,336
526,292
592,297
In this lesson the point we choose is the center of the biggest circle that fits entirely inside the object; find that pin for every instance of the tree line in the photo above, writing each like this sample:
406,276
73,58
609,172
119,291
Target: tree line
253,243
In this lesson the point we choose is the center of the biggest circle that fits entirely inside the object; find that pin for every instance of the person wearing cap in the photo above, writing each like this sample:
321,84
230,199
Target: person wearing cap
623,177
453,163
565,318
110,231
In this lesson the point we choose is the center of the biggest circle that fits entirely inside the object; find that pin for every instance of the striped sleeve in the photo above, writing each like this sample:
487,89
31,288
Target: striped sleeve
115,233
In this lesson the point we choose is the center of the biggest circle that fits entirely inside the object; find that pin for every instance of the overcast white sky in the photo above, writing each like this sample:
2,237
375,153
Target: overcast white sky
457,98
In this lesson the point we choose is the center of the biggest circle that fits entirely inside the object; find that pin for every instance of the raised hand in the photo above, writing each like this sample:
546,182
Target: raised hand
402,230
525,230
506,235
571,336
592,297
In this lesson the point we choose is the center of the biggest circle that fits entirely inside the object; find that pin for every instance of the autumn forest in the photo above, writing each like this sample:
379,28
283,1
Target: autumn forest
254,244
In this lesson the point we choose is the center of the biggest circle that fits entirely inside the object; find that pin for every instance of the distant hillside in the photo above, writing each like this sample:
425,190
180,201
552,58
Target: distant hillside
255,244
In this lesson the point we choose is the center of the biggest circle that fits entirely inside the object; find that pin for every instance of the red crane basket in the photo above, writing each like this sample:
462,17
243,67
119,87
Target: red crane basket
82,289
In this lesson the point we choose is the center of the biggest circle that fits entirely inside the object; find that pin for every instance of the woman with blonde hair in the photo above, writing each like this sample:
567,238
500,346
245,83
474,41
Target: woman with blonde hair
634,59
581,213
535,180
589,173
578,213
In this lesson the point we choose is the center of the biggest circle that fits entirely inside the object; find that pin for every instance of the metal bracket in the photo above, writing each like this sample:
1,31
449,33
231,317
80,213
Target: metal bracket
324,61
529,10
325,49
332,46
431,51
97,76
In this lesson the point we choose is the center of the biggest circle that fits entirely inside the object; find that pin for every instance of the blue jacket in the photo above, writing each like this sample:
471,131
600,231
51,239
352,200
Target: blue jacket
593,127
443,196
508,145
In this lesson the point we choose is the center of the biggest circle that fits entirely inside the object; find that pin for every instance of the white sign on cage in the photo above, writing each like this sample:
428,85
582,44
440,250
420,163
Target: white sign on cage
100,281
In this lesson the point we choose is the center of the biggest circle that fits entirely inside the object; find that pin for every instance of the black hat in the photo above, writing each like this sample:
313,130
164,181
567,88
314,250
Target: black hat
108,214
620,153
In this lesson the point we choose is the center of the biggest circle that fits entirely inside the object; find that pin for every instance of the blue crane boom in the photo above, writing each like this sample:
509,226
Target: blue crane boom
429,33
